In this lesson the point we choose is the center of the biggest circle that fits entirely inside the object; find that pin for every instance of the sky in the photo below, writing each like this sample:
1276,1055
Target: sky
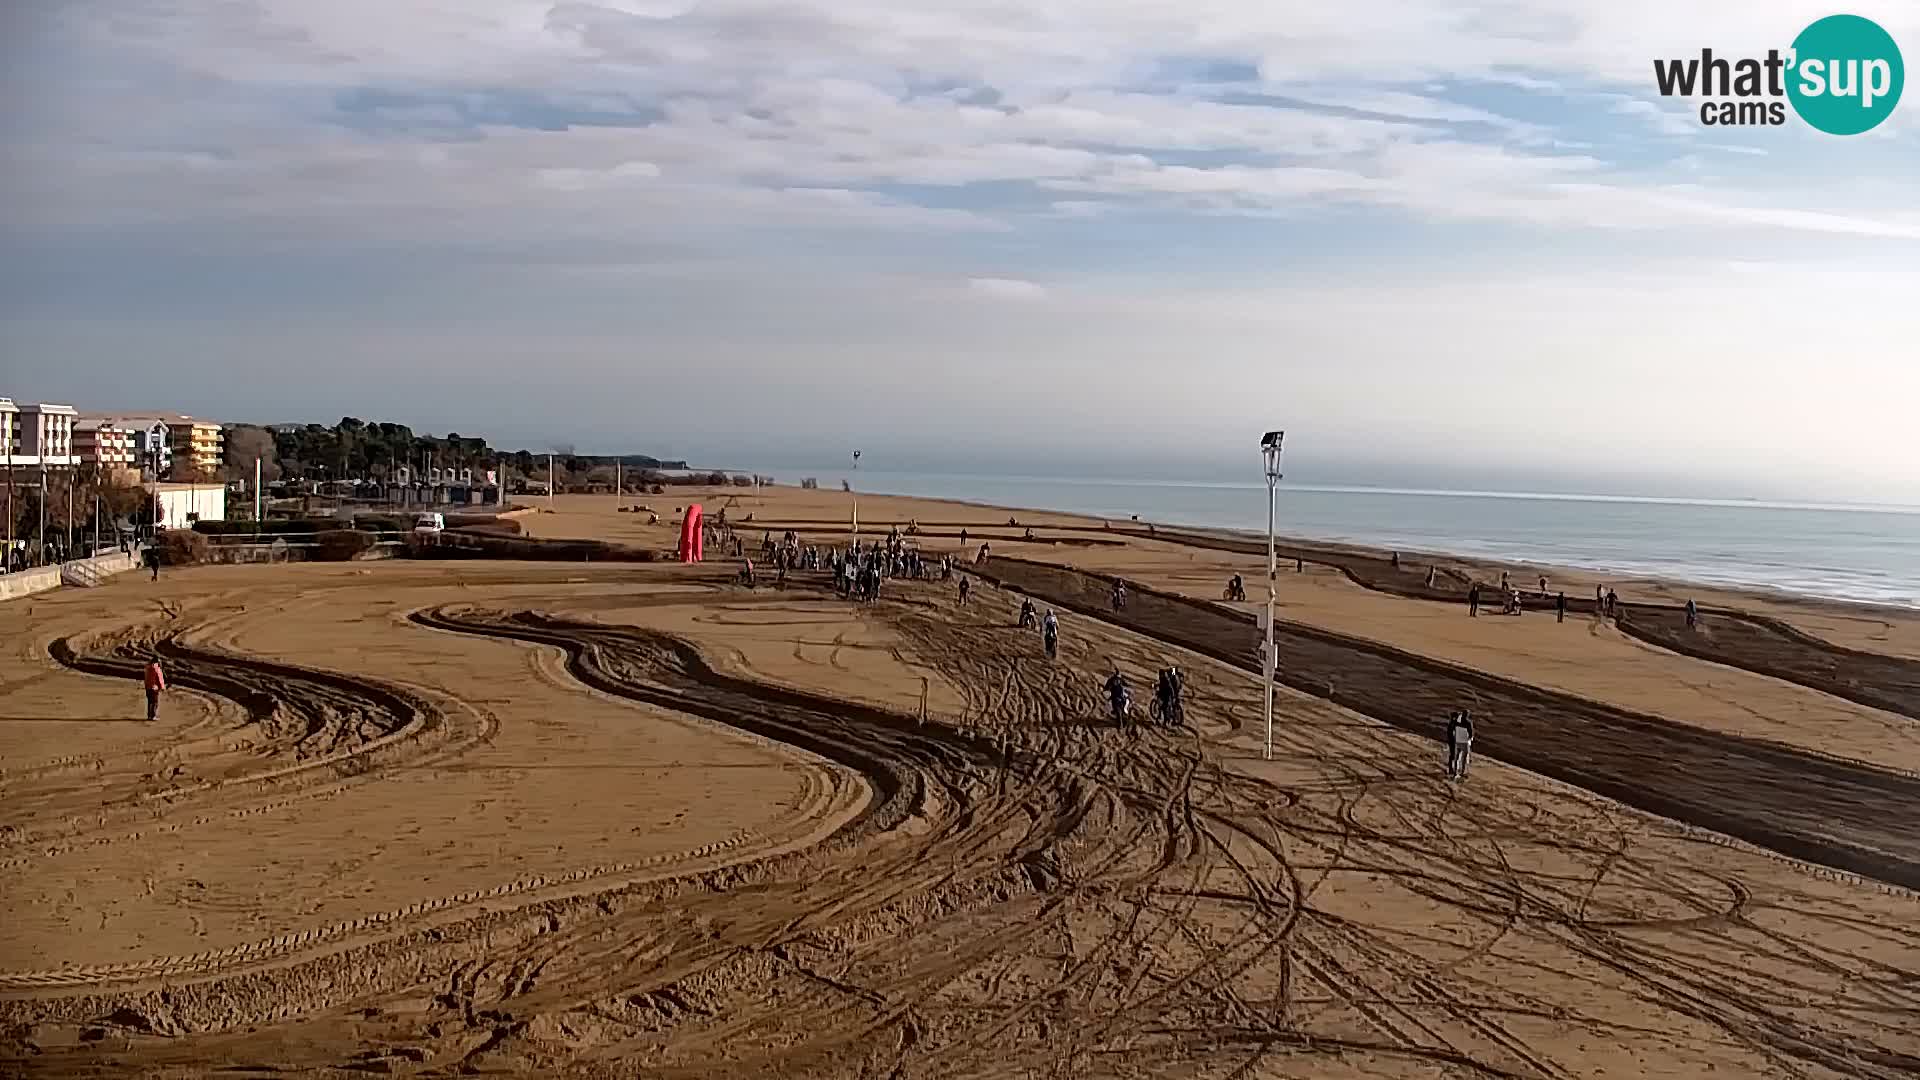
1449,243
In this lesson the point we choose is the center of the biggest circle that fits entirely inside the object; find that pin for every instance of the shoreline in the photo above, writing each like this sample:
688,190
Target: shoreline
1618,575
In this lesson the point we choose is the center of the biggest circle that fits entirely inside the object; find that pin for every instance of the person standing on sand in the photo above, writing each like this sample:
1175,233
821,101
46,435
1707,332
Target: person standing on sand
1693,614
153,559
966,588
1050,634
1599,599
155,681
1560,608
963,538
1613,603
1473,600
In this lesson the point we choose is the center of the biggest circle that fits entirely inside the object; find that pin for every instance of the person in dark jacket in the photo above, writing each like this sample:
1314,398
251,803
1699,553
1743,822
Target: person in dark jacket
1459,744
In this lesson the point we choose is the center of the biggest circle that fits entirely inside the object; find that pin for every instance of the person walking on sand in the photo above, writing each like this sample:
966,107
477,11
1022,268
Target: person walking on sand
1560,608
1543,584
963,539
1459,744
1473,600
1050,634
1693,614
153,559
1613,603
966,588
155,681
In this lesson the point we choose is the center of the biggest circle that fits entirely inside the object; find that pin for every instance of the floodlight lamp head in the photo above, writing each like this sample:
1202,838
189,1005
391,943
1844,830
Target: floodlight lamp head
1270,452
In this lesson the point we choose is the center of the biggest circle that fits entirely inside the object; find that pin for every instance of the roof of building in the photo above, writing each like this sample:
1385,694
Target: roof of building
147,420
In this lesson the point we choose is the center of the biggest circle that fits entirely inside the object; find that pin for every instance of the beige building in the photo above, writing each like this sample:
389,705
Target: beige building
36,435
201,442
189,440
108,447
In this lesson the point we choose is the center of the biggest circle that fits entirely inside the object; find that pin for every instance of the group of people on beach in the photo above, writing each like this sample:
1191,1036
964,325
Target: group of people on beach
1169,686
859,568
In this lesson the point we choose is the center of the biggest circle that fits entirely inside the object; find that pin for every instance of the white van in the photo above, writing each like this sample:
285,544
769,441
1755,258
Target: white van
429,523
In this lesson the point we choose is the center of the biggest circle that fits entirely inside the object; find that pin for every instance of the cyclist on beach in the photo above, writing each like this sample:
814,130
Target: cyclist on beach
1119,596
1459,744
1050,634
1119,699
1029,617
1236,589
1166,696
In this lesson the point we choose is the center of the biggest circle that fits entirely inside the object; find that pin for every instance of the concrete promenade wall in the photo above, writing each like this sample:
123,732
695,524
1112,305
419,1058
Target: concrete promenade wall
77,572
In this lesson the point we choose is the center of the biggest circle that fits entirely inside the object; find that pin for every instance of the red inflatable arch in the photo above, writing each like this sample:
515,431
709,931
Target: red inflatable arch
693,545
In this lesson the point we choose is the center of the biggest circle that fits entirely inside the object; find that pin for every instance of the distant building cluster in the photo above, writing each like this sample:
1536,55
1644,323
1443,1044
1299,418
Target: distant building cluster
121,445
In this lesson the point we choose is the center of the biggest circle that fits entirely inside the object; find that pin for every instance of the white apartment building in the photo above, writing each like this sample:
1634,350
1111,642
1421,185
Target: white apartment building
36,435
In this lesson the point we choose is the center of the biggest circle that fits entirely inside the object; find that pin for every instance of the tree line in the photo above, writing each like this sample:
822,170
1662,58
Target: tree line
356,449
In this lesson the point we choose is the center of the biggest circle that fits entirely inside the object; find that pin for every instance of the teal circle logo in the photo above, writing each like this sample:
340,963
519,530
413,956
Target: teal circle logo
1846,75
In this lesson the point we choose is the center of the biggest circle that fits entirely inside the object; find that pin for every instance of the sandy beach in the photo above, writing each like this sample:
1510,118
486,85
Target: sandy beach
635,818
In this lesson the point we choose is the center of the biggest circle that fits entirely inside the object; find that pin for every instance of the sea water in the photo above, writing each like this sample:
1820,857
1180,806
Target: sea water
1862,553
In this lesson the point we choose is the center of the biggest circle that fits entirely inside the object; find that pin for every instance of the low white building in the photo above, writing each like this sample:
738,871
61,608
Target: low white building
183,504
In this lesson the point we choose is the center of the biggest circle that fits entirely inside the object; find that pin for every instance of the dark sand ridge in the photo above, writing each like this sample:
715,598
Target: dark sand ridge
1826,810
1761,644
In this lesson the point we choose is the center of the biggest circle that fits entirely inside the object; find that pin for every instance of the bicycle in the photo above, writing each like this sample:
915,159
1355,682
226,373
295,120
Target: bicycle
1160,714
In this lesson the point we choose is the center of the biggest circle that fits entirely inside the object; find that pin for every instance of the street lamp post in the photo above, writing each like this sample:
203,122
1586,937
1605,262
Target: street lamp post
855,495
1270,455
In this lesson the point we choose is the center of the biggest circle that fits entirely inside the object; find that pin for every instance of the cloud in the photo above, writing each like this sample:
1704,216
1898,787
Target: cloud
1007,288
355,119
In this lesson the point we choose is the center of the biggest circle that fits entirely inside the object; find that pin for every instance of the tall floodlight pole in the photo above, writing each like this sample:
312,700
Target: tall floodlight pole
1270,659
549,481
856,495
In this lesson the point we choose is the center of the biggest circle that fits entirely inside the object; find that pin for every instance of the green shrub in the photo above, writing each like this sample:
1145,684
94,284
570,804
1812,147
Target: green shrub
183,547
342,545
380,523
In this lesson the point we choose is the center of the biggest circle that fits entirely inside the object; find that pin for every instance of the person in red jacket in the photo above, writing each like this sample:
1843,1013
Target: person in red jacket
155,681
